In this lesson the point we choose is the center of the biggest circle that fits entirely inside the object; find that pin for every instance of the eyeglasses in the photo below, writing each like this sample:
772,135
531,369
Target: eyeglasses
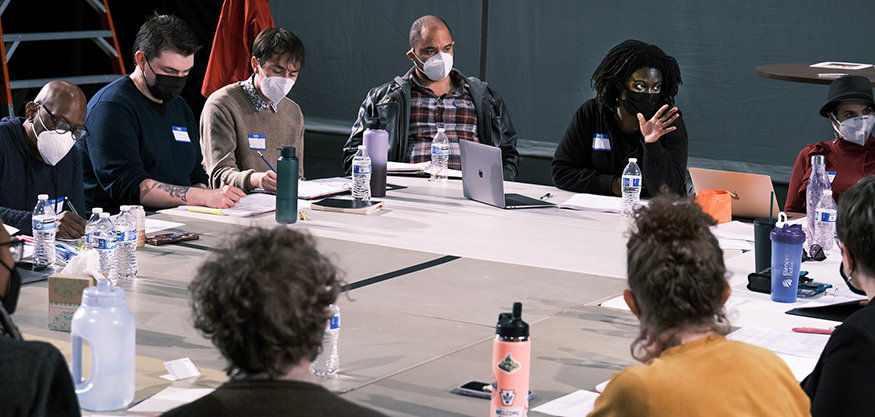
79,133
16,249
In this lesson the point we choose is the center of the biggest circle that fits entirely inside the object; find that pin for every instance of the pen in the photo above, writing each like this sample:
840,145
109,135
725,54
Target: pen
265,161
206,210
72,208
546,196
813,330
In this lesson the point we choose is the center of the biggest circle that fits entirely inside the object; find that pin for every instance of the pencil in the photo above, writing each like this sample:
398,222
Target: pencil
265,161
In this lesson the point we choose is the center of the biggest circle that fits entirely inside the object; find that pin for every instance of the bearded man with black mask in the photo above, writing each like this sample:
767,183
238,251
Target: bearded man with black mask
144,146
633,116
37,157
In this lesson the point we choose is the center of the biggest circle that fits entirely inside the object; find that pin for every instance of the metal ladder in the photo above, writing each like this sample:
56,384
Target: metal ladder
10,43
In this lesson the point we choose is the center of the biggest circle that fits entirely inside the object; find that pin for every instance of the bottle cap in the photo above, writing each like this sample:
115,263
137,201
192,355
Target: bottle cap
42,197
375,122
441,130
104,215
787,233
124,208
512,324
818,159
96,210
103,295
633,160
287,151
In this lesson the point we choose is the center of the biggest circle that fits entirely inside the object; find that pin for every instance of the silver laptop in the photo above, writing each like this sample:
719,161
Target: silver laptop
751,192
483,178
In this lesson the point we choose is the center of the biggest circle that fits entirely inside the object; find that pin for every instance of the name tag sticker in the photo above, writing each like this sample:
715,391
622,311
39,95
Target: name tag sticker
181,134
257,142
601,142
831,175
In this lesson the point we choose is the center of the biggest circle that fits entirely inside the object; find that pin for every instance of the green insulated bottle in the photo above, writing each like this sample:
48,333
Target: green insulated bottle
287,185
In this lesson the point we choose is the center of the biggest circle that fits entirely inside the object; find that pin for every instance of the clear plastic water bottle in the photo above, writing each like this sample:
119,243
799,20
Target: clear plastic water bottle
105,244
44,227
440,156
328,360
825,222
631,183
91,226
818,182
361,175
125,226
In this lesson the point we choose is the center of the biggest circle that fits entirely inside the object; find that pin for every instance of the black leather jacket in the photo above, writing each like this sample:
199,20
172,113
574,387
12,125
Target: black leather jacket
392,104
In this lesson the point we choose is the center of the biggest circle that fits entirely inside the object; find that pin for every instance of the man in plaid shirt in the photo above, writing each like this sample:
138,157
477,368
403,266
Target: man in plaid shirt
433,95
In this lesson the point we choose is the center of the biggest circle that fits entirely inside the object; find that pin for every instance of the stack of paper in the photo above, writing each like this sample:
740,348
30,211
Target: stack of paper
309,190
592,202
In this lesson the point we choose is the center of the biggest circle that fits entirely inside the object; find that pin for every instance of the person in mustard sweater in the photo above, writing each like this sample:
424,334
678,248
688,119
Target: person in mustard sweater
254,115
677,287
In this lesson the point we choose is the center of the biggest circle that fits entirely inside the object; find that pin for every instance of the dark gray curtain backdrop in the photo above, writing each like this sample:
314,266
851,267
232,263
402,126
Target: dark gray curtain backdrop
541,55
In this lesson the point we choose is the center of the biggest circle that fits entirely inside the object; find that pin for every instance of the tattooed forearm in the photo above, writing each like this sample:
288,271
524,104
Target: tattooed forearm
175,191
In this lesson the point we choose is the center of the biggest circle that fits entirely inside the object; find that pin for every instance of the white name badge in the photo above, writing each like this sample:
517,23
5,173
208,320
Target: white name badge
181,134
601,142
257,142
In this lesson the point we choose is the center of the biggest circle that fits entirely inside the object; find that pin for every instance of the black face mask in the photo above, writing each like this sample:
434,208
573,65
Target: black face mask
166,87
10,301
646,104
854,289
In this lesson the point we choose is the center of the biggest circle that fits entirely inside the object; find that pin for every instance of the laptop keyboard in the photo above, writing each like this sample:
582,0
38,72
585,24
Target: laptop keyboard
521,200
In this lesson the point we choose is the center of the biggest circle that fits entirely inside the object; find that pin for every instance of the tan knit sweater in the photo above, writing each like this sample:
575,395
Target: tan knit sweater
228,120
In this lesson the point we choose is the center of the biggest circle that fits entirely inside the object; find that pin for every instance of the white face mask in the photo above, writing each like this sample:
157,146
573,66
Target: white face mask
437,67
53,146
275,88
856,129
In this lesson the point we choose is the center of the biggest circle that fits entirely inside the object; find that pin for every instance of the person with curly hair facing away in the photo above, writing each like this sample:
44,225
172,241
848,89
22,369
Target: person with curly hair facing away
633,116
677,288
263,301
840,384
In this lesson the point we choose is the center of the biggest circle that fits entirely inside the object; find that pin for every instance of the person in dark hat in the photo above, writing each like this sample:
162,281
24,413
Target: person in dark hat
851,155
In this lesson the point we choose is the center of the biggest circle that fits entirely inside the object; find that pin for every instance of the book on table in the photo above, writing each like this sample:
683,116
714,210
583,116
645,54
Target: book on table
341,205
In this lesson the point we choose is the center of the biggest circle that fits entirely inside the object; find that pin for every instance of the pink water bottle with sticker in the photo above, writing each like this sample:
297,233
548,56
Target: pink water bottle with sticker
511,357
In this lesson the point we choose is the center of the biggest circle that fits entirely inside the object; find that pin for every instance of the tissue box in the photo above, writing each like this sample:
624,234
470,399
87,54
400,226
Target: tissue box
65,295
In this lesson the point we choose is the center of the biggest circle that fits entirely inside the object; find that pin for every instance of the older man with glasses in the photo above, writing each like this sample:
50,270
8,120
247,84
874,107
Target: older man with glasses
37,156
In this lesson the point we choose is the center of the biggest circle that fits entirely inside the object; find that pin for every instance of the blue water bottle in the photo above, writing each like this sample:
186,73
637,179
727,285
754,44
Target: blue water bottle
787,244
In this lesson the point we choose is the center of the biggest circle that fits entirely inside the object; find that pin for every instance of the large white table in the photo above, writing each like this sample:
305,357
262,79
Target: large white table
431,273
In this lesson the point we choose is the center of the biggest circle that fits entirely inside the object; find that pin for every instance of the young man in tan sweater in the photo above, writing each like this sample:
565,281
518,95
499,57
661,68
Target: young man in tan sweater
254,115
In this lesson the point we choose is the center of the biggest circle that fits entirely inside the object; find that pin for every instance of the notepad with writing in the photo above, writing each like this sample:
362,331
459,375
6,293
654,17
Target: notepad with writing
347,206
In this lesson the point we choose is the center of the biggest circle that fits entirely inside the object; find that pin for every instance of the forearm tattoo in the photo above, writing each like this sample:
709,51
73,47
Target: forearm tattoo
175,191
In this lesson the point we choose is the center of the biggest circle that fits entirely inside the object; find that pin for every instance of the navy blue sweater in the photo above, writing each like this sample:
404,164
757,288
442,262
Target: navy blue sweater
130,141
23,177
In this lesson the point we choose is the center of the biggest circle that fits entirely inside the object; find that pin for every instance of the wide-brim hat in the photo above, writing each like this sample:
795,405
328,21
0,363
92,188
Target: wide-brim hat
848,88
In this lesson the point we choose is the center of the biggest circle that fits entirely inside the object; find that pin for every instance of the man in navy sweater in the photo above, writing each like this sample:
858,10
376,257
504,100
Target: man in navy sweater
37,157
144,146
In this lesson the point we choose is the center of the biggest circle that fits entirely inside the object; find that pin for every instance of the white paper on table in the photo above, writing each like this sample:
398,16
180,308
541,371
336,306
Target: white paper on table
828,300
592,202
799,366
840,65
399,167
600,388
733,230
729,244
10,229
180,369
806,345
249,205
154,225
169,398
577,404
618,302
308,190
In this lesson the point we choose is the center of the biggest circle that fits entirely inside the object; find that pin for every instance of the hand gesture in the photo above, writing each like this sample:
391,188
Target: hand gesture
659,125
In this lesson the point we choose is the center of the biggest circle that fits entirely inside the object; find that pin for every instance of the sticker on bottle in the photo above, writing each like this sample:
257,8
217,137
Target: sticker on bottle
831,175
43,224
441,150
181,134
257,142
509,364
601,142
507,411
334,323
631,181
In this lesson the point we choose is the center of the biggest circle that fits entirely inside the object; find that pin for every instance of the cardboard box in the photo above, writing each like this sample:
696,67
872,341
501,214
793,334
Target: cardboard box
65,296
